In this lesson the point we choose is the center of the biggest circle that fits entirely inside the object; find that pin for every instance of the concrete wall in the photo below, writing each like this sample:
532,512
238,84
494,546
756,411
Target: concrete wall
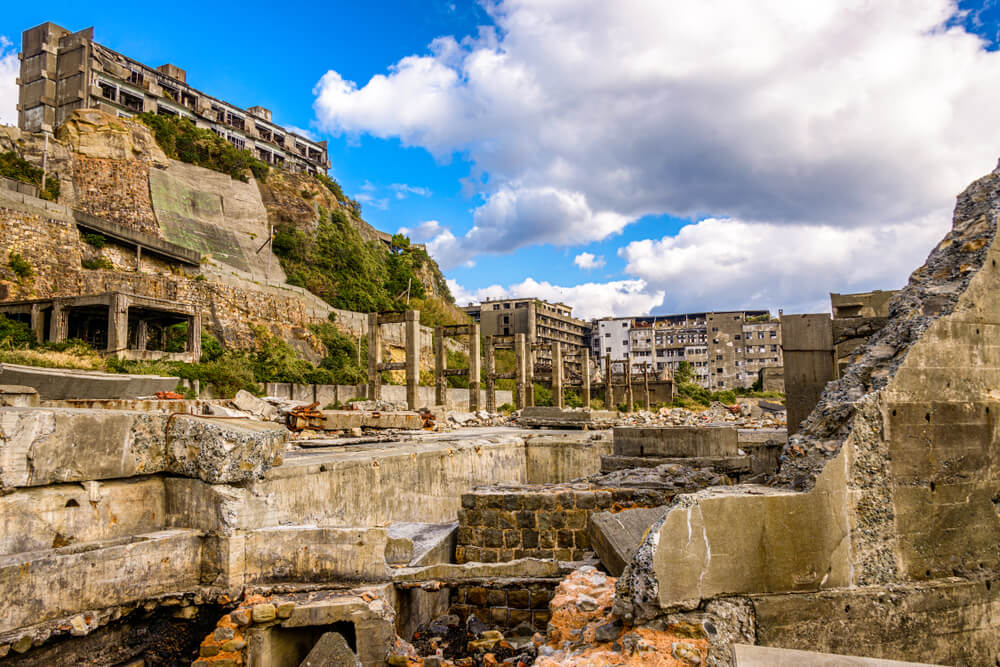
809,363
325,394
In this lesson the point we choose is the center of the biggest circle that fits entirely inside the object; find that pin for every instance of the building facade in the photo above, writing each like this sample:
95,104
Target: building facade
725,350
62,71
540,321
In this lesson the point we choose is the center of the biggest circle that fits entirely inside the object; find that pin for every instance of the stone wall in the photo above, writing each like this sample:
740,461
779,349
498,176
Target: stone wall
505,603
499,524
115,190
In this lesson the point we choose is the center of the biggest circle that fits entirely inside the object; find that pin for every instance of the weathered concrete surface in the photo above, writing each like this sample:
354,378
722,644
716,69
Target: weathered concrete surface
524,568
418,544
247,402
59,583
745,655
558,459
539,416
675,441
888,491
223,450
338,420
18,396
331,649
727,465
61,383
616,536
310,554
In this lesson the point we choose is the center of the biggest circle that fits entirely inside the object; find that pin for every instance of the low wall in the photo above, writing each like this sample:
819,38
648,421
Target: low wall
325,394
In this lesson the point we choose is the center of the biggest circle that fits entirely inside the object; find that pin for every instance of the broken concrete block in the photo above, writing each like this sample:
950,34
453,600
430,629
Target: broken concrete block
214,410
421,543
222,451
331,649
675,441
247,402
538,416
745,655
616,536
18,396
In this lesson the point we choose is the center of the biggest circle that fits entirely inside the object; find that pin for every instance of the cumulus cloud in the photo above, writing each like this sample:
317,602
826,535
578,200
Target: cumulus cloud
9,69
308,134
622,297
588,261
442,245
580,117
735,264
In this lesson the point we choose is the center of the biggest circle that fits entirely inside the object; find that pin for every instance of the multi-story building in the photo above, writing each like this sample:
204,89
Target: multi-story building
62,71
540,321
725,350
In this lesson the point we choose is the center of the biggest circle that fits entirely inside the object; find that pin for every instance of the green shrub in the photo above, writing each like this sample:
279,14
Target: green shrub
181,140
97,263
19,265
543,395
506,408
15,334
14,166
572,398
96,240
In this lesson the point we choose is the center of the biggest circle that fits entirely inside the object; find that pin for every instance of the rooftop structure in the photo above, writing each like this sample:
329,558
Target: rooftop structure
62,71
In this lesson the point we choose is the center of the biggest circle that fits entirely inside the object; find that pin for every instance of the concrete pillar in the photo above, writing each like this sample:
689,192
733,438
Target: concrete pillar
629,397
38,322
440,366
585,377
374,358
142,333
194,337
645,381
117,324
412,333
529,372
475,366
59,324
521,366
491,369
609,392
557,375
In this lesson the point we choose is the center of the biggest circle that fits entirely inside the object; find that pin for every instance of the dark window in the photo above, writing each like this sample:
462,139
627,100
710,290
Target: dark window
108,91
135,76
130,101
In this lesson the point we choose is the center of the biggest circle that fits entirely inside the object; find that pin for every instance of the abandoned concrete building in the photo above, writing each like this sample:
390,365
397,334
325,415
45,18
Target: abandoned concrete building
62,71
726,350
543,323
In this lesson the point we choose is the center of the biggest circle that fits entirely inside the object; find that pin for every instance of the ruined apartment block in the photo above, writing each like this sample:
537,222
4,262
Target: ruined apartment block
725,350
542,323
62,71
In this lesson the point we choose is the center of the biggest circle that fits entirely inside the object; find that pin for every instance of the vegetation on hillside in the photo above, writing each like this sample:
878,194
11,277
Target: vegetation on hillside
14,166
335,263
181,140
693,395
353,205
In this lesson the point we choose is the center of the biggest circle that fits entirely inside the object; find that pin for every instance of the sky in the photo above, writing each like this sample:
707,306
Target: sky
628,158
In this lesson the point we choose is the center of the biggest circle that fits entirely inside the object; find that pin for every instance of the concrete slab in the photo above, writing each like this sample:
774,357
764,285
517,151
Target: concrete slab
18,396
616,536
745,655
546,416
62,383
343,420
728,465
223,450
675,441
417,544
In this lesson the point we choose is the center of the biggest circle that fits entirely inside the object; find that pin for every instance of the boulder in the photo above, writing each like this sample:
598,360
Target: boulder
331,649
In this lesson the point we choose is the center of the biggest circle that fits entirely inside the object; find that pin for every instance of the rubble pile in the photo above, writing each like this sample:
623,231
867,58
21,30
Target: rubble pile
446,641
763,414
584,633
669,477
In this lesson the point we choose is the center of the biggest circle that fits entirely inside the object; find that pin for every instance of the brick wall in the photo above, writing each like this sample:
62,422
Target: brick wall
500,524
505,603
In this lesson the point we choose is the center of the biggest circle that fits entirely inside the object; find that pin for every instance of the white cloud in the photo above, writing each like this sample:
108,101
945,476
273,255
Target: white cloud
441,244
588,261
308,134
366,197
580,117
402,190
722,264
622,297
10,67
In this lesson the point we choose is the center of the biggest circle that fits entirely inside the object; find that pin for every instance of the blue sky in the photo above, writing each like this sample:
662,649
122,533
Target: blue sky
657,157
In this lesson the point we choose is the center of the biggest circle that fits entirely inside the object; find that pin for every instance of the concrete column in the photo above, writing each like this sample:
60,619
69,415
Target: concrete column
520,363
585,377
38,322
557,375
609,392
194,337
141,334
491,369
645,381
118,324
59,325
440,366
374,358
629,397
412,333
529,372
475,366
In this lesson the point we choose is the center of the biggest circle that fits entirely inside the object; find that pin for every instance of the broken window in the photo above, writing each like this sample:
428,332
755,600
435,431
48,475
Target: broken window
189,100
170,92
130,101
219,112
264,133
235,120
108,91
164,111
239,142
135,76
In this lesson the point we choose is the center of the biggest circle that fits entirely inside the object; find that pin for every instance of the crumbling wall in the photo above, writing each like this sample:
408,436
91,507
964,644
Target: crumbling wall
890,484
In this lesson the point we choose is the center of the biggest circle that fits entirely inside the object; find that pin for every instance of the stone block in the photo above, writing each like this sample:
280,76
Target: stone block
223,451
616,536
675,441
331,649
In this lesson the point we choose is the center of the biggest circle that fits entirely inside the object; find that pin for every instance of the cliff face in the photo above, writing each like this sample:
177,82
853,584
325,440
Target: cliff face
112,168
